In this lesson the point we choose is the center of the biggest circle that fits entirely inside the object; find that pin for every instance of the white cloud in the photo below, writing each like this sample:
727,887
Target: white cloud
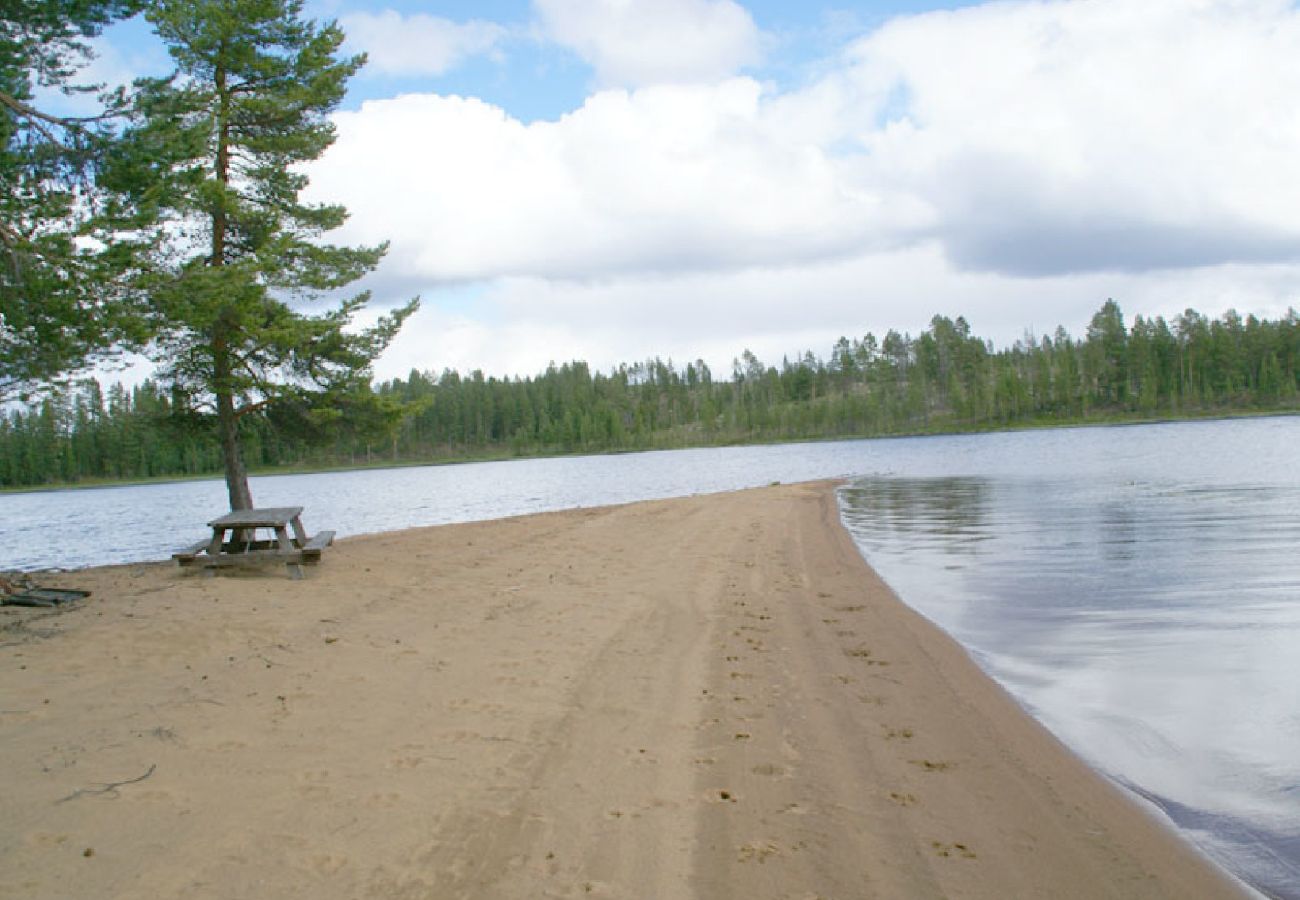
639,42
418,44
1016,163
518,325
1050,137
1029,138
667,178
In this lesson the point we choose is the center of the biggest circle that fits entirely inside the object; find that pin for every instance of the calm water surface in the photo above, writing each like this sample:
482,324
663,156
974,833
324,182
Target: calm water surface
1137,588
1139,591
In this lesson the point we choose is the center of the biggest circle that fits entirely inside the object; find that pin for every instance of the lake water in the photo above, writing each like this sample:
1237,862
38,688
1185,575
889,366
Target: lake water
1136,588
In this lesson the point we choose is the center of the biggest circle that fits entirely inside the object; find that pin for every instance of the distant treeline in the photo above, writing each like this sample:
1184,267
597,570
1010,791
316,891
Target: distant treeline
944,379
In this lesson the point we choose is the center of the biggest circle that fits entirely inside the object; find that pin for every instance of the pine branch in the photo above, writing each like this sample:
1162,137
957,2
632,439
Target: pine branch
30,112
38,120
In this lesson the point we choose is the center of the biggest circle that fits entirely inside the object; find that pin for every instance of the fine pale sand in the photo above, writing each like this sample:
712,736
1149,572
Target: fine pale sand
702,698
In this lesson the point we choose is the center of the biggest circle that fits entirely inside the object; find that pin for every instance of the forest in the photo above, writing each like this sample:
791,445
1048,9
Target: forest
946,379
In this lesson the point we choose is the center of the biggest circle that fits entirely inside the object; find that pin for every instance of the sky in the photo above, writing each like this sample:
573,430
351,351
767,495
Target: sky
613,180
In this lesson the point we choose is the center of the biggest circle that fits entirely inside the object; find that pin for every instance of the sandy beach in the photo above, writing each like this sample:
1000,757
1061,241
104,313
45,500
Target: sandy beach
709,697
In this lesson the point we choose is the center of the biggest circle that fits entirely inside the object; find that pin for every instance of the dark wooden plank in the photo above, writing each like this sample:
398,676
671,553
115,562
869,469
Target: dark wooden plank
237,547
319,541
311,550
252,557
267,517
187,555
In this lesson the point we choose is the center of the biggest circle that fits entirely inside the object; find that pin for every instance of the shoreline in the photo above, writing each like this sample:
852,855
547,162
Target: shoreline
712,696
494,457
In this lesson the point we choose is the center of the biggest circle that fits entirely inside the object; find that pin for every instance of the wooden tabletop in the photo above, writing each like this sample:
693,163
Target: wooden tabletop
268,517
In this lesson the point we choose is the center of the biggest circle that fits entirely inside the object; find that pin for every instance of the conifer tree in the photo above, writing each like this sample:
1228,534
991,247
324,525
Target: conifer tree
64,264
218,151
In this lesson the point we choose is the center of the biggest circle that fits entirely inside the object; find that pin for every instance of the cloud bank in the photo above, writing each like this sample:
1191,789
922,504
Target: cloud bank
1030,139
1027,159
1084,136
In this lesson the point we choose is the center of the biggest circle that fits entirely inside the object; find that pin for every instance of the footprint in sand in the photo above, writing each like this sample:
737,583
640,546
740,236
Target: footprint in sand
328,863
864,654
45,839
316,785
460,737
952,850
929,765
757,851
315,792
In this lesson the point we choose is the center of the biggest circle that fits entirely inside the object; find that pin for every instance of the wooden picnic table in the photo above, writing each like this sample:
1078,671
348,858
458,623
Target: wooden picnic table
234,541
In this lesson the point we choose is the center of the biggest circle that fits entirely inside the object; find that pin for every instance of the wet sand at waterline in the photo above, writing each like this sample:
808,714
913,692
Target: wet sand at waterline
709,697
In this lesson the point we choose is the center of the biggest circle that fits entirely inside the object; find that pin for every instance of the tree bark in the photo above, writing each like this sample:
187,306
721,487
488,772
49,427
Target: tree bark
228,428
236,475
227,421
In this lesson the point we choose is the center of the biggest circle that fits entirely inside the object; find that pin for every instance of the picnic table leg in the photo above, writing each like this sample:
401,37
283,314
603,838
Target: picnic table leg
214,551
300,538
286,546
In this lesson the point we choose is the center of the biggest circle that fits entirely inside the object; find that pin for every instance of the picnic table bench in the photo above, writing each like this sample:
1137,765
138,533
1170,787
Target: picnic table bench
234,541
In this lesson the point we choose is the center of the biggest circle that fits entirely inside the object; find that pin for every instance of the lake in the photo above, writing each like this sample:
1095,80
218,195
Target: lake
1136,588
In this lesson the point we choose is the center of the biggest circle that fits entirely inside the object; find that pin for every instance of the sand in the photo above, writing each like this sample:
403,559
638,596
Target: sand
710,697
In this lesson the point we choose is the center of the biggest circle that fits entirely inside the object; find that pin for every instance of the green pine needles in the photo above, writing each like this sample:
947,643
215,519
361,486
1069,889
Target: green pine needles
215,156
66,266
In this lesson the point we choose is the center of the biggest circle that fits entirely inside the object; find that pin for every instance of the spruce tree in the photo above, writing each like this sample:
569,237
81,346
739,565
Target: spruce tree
218,151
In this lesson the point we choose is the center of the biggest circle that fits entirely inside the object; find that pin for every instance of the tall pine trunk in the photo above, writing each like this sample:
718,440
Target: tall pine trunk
236,475
228,430
227,419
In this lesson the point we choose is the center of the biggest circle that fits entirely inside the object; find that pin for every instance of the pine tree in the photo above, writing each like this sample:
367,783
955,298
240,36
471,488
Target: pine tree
218,150
64,264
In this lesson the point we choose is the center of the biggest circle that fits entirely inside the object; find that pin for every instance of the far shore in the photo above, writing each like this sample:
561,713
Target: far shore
381,462
708,697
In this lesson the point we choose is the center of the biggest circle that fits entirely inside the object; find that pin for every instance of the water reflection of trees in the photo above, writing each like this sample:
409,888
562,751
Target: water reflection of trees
950,514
